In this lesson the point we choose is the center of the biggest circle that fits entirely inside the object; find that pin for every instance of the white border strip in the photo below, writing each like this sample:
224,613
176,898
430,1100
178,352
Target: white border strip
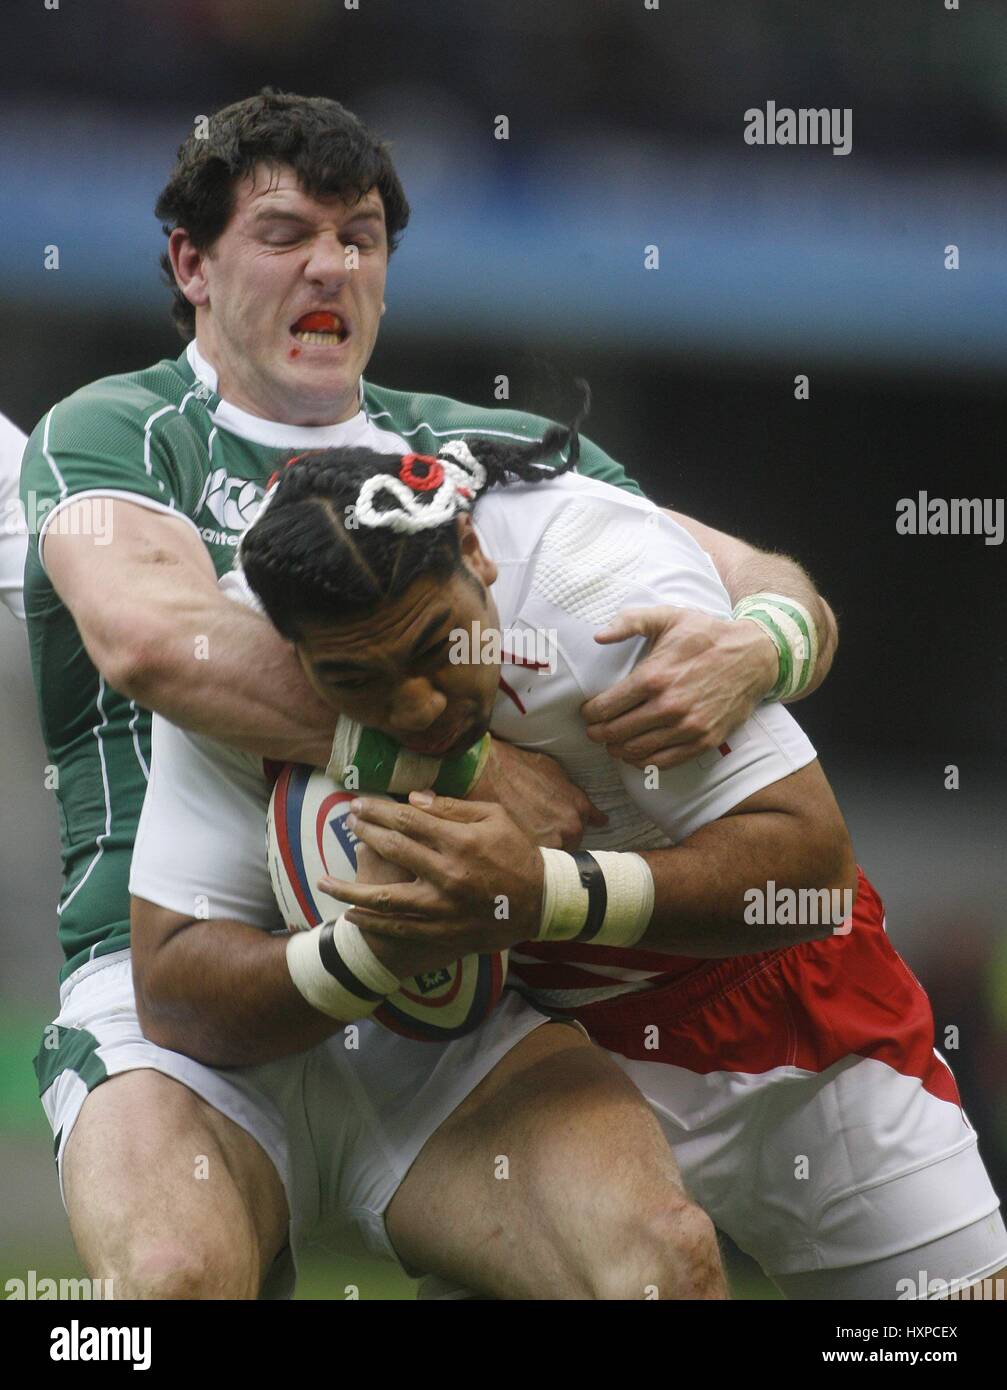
60,481
104,834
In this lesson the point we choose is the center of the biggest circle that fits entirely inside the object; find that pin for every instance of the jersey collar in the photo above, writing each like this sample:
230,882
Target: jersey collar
273,433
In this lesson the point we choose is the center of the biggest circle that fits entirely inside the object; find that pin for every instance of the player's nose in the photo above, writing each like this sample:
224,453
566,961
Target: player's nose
327,262
416,705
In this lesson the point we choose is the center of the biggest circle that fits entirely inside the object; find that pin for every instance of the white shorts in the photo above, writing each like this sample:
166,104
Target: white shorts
342,1125
812,1117
853,1183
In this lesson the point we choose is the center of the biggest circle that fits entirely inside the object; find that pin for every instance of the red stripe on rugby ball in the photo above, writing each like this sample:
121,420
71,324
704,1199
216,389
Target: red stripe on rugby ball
283,840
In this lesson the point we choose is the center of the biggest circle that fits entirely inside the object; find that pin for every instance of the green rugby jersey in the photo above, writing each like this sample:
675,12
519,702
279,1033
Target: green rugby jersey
165,439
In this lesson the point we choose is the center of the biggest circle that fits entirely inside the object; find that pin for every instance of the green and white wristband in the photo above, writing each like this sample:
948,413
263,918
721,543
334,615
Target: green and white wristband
791,629
337,972
368,761
603,897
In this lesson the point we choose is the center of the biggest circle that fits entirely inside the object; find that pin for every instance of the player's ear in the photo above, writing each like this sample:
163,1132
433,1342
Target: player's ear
473,555
188,268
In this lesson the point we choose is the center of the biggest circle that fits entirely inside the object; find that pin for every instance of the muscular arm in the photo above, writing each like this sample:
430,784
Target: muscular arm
792,833
219,991
159,630
744,570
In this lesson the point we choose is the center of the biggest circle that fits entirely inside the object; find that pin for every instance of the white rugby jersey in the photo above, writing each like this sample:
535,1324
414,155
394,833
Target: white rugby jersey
13,531
570,553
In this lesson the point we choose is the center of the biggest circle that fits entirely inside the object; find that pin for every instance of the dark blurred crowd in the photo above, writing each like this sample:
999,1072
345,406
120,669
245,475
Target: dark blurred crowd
928,84
965,971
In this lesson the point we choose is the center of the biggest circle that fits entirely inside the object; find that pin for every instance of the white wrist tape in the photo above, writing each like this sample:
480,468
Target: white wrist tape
337,972
791,629
603,897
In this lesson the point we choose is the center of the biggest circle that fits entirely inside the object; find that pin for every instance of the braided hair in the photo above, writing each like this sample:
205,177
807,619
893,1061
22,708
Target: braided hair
344,530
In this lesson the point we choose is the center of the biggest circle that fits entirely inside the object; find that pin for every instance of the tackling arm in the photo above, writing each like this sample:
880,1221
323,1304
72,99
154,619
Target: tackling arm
701,676
744,570
159,630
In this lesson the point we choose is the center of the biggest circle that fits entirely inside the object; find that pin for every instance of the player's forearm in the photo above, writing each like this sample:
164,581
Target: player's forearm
160,631
722,891
744,570
762,572
221,993
222,670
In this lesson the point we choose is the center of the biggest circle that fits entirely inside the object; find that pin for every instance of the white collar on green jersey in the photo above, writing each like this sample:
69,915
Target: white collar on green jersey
274,433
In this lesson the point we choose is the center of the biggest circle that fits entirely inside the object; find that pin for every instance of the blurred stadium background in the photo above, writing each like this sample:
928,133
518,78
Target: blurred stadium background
525,257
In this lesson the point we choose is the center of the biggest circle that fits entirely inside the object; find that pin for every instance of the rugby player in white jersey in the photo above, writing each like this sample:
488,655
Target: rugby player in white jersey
789,1055
280,226
13,530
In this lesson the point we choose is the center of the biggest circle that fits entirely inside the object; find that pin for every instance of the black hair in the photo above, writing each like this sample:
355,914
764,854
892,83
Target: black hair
308,559
329,149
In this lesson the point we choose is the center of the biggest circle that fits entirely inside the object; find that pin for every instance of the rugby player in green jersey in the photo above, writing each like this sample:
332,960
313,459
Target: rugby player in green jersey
280,225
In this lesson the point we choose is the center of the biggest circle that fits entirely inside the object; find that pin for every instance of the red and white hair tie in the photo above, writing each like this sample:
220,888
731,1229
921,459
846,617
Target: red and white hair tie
451,481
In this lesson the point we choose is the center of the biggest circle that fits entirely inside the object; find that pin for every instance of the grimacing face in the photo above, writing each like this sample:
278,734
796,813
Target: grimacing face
286,321
392,671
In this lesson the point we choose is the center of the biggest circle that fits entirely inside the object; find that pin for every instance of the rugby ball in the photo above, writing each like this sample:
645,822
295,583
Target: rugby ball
306,837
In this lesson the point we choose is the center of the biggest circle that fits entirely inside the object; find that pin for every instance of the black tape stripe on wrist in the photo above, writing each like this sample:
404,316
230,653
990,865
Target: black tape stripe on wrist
593,879
337,967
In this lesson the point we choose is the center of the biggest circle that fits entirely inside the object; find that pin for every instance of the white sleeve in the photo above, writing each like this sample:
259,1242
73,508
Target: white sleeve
233,585
668,567
201,843
766,748
13,531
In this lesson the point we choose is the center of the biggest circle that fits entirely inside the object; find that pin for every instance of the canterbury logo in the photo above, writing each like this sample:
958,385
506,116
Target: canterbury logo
233,502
